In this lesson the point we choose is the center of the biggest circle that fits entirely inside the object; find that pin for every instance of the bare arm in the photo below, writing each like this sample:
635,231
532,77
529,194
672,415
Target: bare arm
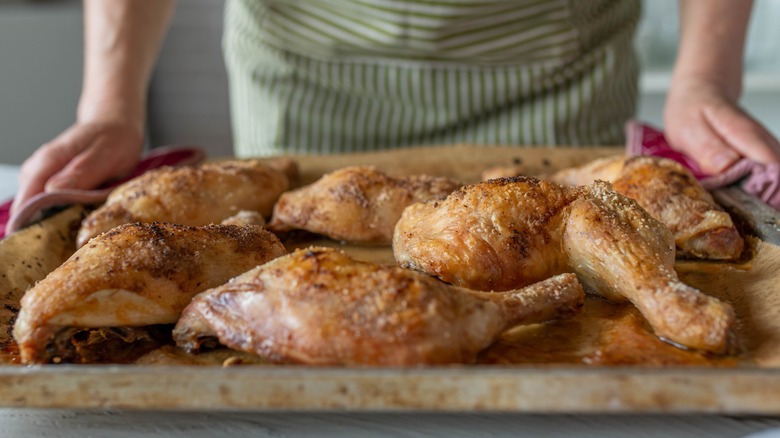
702,114
122,39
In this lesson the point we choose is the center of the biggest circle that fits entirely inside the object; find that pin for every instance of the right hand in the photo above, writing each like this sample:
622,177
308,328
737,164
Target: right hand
704,122
82,157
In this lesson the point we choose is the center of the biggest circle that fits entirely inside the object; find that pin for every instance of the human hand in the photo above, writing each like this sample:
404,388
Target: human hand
704,122
82,157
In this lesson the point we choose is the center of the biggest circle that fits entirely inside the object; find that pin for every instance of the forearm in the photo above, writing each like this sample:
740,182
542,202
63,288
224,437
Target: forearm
712,39
122,39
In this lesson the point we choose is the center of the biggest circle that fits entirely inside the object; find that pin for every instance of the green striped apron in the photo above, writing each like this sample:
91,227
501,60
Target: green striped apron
329,76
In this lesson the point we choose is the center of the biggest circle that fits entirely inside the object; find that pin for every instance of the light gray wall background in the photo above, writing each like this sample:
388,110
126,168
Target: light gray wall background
40,73
40,77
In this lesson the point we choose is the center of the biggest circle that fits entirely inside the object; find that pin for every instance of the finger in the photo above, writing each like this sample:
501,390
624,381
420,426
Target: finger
701,142
29,187
743,133
37,170
97,164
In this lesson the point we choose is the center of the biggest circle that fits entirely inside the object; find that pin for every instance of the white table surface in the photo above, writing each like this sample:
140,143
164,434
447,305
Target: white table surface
111,423
114,424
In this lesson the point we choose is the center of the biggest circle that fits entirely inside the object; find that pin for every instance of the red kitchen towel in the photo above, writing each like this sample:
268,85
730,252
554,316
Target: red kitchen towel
760,180
30,210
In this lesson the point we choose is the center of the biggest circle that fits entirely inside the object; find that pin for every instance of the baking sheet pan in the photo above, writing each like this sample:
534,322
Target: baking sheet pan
748,388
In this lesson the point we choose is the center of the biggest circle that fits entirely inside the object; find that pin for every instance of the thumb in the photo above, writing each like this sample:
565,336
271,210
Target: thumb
61,181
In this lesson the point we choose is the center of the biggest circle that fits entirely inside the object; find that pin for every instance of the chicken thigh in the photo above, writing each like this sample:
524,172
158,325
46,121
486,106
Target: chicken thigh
355,204
671,194
318,306
668,191
115,290
194,196
507,233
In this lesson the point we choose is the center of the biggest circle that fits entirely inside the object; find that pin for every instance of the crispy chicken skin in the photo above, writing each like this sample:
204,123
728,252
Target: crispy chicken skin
135,275
193,196
355,204
669,192
318,306
507,233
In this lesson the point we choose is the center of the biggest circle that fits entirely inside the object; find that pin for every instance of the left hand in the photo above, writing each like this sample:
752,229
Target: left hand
705,123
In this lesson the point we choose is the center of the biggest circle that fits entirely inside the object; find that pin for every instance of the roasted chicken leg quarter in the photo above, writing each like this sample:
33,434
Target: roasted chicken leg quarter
672,195
195,196
318,306
507,233
116,291
355,204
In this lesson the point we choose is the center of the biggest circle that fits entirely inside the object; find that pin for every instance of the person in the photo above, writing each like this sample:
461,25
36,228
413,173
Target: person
327,76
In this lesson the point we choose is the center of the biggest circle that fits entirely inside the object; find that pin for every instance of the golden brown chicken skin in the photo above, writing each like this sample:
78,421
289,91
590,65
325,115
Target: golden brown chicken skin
134,276
355,204
318,306
508,233
195,196
671,194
